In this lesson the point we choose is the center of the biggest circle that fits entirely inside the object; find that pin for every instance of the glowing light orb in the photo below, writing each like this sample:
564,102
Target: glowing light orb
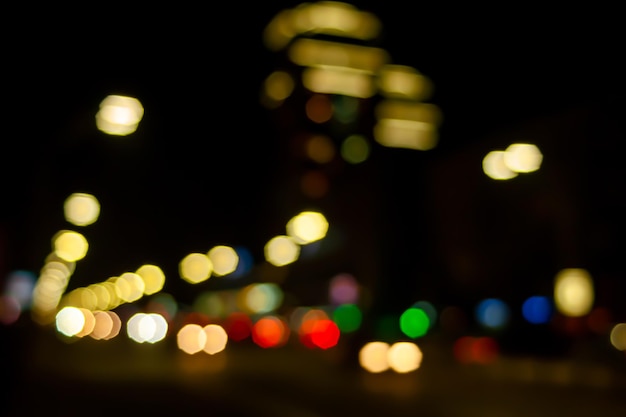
81,209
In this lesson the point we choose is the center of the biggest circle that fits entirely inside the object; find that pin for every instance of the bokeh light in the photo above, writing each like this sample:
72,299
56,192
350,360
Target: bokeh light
281,250
81,209
492,313
573,292
414,322
537,309
69,245
373,357
119,115
404,357
195,268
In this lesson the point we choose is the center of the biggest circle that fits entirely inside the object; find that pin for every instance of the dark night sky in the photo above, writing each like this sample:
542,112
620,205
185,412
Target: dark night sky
499,75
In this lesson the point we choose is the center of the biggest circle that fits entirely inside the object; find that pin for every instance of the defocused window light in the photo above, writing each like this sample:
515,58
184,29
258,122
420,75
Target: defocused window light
337,56
320,149
335,18
70,321
330,80
404,357
408,110
319,109
414,322
70,246
129,286
195,268
119,115
224,259
537,309
618,336
373,357
153,278
573,292
523,157
494,166
216,338
407,134
355,149
191,338
405,82
81,209
281,250
492,313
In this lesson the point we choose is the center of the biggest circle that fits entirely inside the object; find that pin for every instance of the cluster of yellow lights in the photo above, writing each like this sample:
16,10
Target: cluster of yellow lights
517,158
80,322
401,357
119,115
347,69
87,310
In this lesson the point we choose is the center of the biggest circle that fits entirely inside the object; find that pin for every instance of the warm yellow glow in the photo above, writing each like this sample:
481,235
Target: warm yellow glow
325,17
494,166
523,157
191,338
117,325
408,110
81,209
130,286
318,53
70,246
70,321
401,81
153,278
335,18
307,227
334,80
409,134
281,250
278,86
216,338
195,268
224,259
373,357
573,292
618,336
119,115
404,357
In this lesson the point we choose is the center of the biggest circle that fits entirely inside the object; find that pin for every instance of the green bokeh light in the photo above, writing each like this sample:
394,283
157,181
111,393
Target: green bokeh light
414,322
347,317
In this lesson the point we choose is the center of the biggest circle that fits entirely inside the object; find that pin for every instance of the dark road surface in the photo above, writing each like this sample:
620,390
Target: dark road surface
120,377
